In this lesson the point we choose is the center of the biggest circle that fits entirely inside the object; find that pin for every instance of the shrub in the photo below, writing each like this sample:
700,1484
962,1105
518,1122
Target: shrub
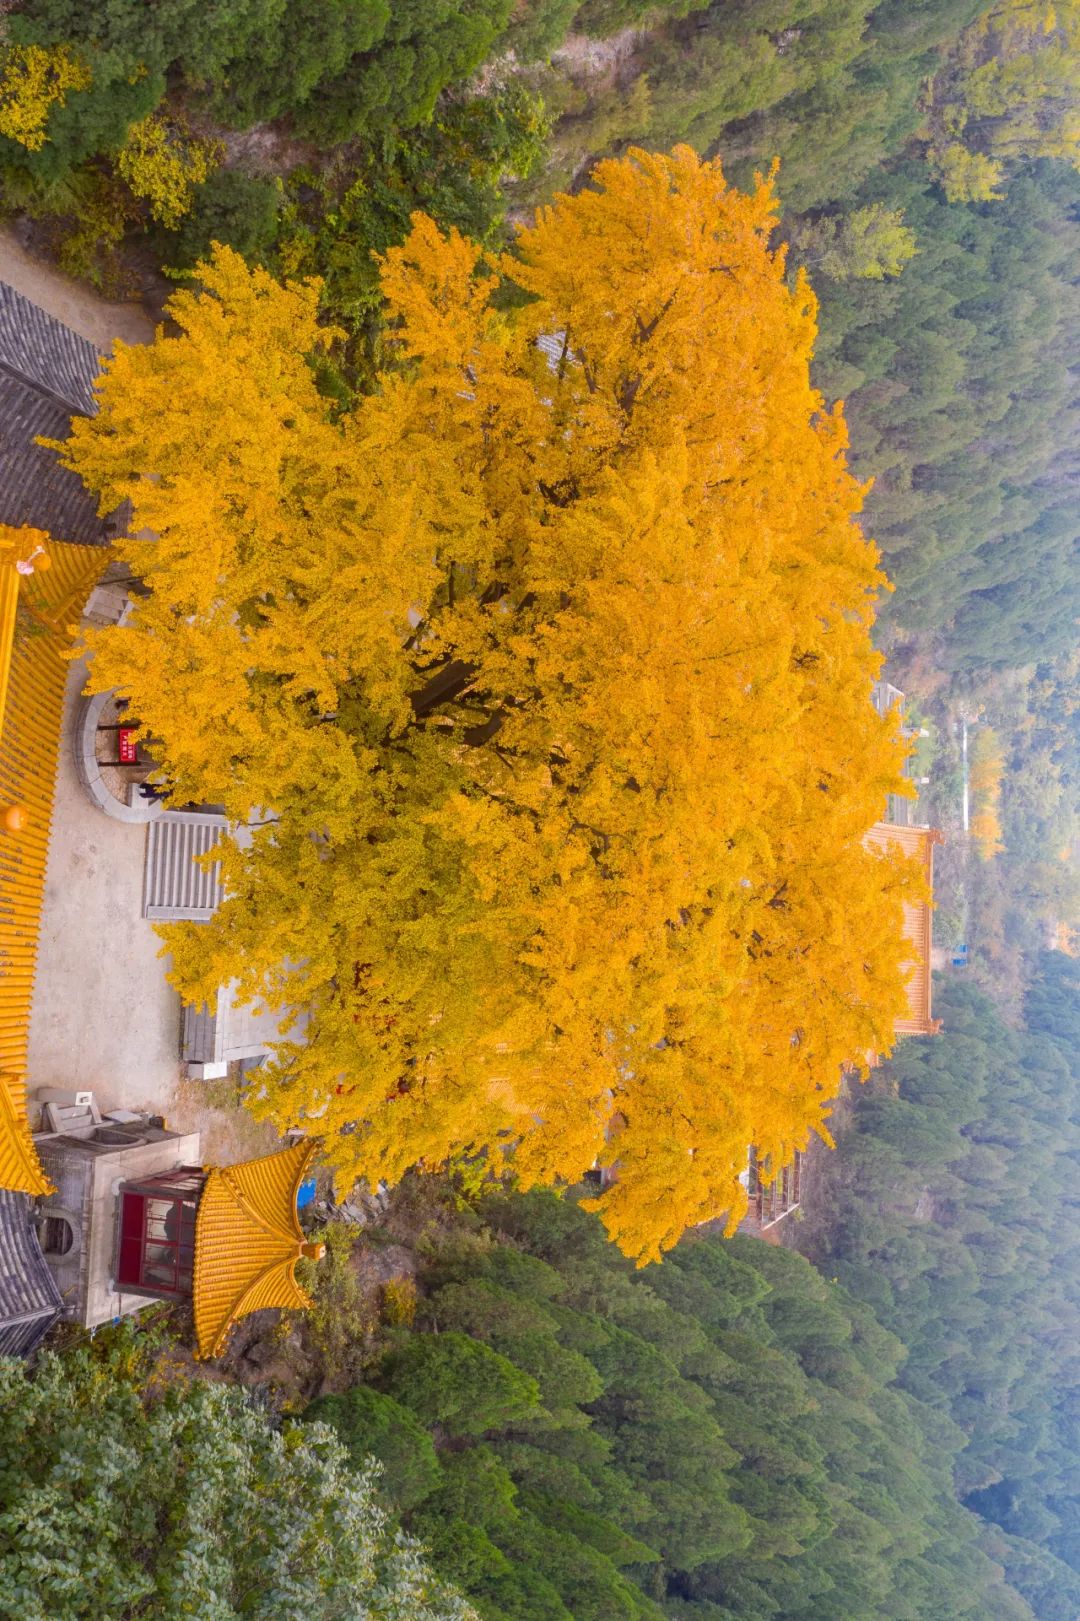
399,1302
340,1322
237,209
191,1504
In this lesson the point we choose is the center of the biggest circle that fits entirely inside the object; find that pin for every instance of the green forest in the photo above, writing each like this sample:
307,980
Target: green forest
726,1434
956,1222
880,1429
884,1426
880,1422
938,220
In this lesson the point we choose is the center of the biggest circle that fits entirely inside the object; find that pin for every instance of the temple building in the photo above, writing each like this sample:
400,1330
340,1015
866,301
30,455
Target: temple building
919,842
98,1214
134,1217
43,586
248,1241
770,1199
47,375
46,378
29,1298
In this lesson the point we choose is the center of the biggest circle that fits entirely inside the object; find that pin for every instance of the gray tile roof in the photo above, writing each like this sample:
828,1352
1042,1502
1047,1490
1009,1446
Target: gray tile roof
29,1300
39,348
46,378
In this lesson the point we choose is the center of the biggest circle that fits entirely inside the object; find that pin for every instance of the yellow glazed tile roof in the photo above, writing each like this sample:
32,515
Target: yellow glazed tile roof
247,1242
38,612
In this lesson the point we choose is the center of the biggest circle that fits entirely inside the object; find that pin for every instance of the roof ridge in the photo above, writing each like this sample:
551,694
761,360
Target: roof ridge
50,394
250,1210
245,1256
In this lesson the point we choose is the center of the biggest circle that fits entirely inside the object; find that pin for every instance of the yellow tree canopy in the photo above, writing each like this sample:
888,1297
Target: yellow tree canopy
545,674
1008,91
32,82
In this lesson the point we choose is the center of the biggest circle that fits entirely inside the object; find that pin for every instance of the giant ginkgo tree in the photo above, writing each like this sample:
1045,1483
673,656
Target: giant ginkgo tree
541,678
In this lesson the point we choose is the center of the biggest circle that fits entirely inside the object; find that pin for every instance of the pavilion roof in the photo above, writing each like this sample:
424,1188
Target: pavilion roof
37,611
247,1242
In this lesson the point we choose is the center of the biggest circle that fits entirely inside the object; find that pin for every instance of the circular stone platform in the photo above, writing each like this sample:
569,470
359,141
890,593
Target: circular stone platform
113,788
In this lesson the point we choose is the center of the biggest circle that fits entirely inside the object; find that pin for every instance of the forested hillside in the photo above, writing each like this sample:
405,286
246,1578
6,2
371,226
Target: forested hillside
121,1497
926,155
719,1436
737,1433
953,1214
733,1435
962,401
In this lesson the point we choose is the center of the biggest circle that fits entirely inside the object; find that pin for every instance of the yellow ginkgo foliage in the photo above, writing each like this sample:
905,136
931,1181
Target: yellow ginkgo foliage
33,81
162,163
543,677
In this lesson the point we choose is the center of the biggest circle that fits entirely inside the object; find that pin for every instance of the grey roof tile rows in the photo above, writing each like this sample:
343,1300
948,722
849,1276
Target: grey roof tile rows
34,488
29,1300
41,350
46,377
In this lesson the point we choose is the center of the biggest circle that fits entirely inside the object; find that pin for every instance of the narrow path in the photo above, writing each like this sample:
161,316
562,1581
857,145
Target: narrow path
79,307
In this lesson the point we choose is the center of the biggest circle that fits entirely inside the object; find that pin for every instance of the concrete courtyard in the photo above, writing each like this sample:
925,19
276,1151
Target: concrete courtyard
103,1014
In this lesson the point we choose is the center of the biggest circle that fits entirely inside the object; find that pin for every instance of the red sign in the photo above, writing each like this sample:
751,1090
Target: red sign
128,750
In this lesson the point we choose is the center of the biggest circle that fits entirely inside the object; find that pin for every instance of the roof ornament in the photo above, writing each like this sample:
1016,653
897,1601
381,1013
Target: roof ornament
26,565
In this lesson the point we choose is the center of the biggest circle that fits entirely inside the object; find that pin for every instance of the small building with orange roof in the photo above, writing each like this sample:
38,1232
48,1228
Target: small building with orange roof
248,1240
135,1218
919,842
